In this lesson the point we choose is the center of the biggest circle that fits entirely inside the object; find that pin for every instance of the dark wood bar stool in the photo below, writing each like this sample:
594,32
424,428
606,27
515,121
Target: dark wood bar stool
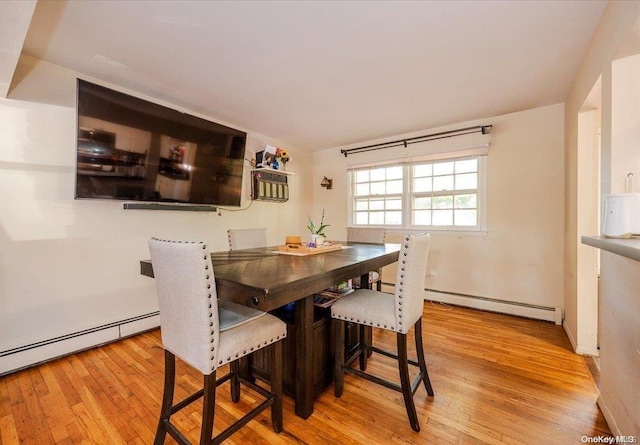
398,312
206,334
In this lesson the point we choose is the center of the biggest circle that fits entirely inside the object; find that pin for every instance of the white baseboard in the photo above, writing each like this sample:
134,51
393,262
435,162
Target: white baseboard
572,340
606,412
553,314
30,355
579,349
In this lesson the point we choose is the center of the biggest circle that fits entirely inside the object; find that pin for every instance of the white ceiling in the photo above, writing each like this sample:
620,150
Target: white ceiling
324,74
14,23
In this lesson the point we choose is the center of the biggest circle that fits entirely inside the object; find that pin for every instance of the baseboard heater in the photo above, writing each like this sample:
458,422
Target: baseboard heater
15,359
546,313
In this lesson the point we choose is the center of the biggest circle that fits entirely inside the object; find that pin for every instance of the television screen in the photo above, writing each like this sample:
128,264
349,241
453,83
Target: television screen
134,150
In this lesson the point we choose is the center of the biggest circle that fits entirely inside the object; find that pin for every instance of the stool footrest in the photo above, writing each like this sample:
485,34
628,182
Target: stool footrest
390,354
225,434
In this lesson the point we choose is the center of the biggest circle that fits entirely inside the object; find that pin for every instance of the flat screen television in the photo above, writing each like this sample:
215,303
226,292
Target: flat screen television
133,150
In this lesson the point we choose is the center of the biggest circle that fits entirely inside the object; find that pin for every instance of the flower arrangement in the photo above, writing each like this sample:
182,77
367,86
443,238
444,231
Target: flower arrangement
281,158
317,230
272,157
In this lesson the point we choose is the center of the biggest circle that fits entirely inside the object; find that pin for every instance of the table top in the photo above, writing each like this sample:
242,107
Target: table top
265,279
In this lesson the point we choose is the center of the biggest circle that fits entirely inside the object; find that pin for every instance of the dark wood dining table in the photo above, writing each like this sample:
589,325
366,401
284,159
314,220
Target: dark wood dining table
266,279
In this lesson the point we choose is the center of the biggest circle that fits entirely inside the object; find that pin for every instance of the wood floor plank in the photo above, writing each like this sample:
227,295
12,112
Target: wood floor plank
22,420
37,418
497,379
54,407
8,430
5,403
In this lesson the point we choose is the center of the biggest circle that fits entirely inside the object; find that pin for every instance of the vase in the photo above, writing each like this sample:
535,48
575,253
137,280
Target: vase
318,240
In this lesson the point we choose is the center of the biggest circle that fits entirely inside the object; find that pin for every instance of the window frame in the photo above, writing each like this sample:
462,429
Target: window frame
407,197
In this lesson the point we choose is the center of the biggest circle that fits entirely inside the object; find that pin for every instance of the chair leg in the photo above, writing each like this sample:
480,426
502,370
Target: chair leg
363,346
167,396
405,383
338,373
276,385
208,408
421,361
235,382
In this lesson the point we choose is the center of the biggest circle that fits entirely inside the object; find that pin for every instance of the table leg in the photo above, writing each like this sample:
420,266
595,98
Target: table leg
304,357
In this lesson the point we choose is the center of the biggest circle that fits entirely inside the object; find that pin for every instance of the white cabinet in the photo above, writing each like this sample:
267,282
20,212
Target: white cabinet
168,188
164,186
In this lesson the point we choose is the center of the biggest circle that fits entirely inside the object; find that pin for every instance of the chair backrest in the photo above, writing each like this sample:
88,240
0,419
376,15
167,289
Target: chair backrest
410,277
188,301
366,235
247,238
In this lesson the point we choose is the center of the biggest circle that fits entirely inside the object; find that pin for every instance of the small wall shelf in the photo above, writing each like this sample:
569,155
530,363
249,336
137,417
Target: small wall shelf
270,170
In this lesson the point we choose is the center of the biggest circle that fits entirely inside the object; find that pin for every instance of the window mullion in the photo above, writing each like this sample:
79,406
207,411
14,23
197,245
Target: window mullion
407,199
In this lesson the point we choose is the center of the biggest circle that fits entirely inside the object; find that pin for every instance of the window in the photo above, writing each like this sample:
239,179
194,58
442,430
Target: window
378,196
446,194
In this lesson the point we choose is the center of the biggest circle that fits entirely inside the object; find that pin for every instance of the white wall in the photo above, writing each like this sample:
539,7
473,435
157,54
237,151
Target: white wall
618,305
520,258
586,340
612,32
625,122
620,340
68,265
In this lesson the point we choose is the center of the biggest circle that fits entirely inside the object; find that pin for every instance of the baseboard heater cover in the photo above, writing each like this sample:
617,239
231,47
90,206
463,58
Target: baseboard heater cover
15,359
537,312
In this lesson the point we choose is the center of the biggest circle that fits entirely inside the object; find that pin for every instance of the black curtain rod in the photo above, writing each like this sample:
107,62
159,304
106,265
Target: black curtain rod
484,129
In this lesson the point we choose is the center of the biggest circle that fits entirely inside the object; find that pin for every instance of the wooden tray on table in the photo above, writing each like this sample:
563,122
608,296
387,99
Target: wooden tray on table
306,250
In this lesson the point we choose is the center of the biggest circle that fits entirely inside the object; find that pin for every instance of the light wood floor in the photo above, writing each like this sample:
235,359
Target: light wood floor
497,379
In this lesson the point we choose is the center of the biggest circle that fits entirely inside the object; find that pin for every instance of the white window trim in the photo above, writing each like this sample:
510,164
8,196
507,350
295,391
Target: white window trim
407,227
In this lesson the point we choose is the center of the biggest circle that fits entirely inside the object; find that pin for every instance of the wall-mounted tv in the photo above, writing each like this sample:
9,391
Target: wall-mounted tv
134,150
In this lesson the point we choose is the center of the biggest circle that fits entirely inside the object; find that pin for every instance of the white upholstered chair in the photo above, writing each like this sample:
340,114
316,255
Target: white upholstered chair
247,238
369,235
208,333
395,312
